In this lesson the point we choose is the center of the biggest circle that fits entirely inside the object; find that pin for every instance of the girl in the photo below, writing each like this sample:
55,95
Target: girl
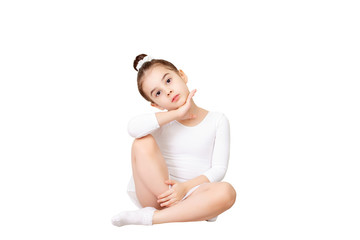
179,156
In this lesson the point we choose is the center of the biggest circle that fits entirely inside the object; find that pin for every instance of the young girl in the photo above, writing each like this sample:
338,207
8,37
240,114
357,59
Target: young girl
179,156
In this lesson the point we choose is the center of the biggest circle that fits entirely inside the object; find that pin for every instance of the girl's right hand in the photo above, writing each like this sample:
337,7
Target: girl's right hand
183,111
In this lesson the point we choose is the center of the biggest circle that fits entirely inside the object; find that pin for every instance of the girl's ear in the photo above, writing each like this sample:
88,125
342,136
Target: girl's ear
183,75
157,106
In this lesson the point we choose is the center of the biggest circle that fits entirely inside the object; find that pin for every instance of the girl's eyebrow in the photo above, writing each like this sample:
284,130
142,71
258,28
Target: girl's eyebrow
161,81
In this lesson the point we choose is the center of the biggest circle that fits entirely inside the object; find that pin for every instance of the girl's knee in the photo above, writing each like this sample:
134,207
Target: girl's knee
228,194
145,143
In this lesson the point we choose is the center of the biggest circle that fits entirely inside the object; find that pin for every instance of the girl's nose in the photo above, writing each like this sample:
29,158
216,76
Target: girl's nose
169,92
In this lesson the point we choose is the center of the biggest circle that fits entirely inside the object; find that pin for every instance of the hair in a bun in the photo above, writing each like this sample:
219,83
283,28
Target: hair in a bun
138,59
146,66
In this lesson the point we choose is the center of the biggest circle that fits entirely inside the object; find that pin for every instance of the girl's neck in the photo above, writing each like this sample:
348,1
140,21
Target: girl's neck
194,109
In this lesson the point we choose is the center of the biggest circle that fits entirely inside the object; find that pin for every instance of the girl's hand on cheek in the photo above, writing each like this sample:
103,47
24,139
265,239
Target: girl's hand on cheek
173,195
183,111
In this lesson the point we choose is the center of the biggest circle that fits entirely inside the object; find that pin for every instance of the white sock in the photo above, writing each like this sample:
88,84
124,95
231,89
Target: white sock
212,219
138,217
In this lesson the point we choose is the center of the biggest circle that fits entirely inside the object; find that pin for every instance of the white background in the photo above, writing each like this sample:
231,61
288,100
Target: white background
286,74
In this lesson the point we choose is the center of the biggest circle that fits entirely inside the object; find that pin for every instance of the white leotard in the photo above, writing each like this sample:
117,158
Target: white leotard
188,151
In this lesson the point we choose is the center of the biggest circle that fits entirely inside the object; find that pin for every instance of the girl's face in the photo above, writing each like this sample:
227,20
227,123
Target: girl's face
166,89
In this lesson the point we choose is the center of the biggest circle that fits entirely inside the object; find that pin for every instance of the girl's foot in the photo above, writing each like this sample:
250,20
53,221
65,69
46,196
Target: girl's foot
138,217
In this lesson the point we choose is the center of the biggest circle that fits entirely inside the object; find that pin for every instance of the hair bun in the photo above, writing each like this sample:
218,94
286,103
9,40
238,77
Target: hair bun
138,59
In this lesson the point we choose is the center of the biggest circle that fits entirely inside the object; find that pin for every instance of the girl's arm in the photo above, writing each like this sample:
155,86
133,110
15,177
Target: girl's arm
221,152
195,181
142,125
145,124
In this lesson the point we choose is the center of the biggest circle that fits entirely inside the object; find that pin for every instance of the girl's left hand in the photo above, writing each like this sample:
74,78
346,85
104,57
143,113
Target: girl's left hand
183,111
173,195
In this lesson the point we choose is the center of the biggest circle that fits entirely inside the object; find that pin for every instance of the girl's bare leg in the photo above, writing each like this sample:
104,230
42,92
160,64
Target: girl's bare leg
149,171
206,202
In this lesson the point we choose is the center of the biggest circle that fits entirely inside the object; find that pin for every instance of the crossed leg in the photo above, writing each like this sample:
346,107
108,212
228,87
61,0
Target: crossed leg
150,172
207,201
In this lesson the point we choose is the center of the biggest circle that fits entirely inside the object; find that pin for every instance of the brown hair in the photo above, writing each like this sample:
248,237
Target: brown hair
148,65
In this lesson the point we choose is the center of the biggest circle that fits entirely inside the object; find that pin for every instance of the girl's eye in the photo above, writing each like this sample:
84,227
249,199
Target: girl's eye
168,81
157,93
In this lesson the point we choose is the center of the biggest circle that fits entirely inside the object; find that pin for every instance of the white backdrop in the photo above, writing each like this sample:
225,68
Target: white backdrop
286,74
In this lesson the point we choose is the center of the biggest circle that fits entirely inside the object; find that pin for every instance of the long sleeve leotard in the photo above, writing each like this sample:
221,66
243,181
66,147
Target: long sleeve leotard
189,151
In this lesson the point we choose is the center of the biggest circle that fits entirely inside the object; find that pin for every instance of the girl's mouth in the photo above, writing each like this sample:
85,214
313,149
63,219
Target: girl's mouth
176,98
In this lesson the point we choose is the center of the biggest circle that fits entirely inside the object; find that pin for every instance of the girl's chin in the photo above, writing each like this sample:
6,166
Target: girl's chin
176,105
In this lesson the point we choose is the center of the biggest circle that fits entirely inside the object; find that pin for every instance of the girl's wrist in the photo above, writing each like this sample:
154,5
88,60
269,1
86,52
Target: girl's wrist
166,117
177,114
195,181
187,186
